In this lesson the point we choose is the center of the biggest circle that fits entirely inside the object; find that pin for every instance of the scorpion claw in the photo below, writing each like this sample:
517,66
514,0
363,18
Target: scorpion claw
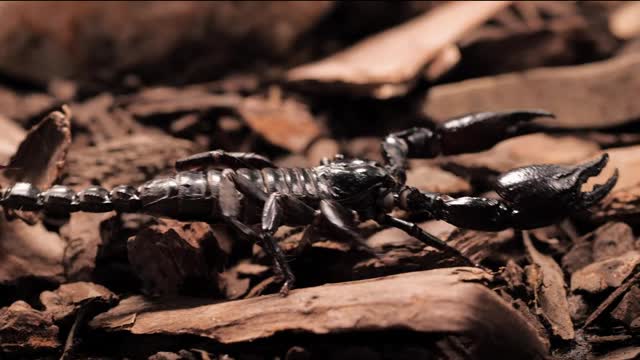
583,173
599,191
480,131
550,192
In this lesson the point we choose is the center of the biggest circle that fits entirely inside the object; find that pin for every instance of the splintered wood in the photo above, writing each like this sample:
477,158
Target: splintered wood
400,53
443,300
584,96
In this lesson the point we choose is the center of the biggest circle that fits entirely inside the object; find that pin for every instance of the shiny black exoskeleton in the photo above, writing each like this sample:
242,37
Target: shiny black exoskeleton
244,189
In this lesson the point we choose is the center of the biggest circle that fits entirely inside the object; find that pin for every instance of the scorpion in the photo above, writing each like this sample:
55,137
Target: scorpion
254,197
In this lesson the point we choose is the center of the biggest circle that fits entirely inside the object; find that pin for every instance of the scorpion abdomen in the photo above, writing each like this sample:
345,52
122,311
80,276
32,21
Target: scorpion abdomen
187,195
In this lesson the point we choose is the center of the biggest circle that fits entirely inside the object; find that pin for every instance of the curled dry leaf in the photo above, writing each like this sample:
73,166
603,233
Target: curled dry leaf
598,94
441,301
387,64
550,292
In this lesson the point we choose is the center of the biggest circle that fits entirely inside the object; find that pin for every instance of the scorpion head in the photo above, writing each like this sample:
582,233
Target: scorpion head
356,182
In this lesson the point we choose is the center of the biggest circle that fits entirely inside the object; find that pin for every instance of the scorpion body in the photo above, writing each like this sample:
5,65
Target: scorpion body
245,189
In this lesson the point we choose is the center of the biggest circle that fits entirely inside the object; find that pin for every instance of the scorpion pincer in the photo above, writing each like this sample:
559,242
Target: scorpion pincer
247,192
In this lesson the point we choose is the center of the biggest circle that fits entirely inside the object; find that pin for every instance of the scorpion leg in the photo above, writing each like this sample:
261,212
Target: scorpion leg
223,159
414,230
271,248
342,219
470,133
281,209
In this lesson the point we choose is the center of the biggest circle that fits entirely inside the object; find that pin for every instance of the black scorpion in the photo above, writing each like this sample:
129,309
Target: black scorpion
254,197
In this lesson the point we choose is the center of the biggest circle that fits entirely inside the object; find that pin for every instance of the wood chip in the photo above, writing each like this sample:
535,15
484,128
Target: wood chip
274,117
624,22
29,251
26,330
442,300
64,302
601,275
516,152
12,135
102,121
611,240
627,161
175,258
628,310
611,299
32,251
386,64
626,353
598,94
41,156
434,179
160,101
550,292
130,160
620,205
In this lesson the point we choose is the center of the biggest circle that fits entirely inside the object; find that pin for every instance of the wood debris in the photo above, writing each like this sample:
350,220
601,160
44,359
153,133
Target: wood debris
396,66
597,94
323,310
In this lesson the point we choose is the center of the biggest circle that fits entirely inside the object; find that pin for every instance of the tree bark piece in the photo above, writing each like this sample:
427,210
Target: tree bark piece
25,330
609,240
65,301
32,251
386,64
41,155
628,310
174,257
129,160
624,22
38,46
601,275
516,152
584,96
12,135
272,117
443,300
550,292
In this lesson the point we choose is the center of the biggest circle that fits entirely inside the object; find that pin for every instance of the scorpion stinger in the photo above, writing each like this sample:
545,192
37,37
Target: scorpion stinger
244,191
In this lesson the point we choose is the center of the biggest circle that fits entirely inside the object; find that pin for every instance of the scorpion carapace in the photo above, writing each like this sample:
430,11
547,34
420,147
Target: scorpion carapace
254,197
